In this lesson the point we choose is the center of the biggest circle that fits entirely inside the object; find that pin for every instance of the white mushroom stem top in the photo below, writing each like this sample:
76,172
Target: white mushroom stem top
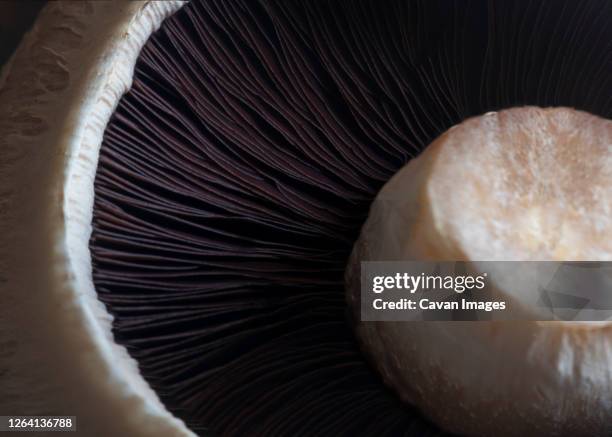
521,184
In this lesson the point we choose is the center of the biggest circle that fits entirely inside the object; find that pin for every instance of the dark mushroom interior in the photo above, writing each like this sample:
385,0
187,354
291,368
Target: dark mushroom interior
235,175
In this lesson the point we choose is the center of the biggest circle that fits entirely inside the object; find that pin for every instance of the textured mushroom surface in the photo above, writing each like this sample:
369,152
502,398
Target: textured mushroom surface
235,175
57,92
517,185
526,188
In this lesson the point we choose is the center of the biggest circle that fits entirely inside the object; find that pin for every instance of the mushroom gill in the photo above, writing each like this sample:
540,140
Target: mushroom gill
233,180
235,175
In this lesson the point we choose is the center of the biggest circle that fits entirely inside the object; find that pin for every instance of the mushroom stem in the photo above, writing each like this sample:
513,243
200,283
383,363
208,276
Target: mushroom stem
527,184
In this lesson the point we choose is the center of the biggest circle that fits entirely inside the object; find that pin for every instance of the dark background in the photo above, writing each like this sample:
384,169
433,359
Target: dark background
16,18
